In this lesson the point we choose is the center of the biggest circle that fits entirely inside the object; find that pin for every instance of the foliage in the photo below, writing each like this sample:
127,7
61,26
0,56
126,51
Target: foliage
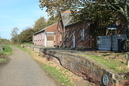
54,5
52,20
26,35
39,24
102,11
4,41
14,35
121,6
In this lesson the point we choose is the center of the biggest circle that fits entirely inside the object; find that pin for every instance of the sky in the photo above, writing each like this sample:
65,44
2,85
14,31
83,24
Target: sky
20,14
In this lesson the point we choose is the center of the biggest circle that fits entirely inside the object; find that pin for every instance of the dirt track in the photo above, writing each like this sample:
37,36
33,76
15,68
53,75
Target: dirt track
23,71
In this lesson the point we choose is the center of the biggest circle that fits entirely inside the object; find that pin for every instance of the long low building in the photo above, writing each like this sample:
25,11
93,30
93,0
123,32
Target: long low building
47,37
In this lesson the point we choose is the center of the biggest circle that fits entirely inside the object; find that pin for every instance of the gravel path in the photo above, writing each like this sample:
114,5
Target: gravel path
23,71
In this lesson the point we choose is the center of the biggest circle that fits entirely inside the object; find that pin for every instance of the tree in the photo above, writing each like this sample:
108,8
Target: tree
54,5
88,6
94,10
26,35
4,41
40,24
14,34
122,8
52,20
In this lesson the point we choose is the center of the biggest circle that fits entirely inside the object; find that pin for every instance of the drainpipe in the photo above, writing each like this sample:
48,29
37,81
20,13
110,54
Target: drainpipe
45,39
111,42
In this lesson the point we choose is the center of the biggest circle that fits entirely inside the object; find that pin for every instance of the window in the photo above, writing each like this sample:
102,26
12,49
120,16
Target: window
67,36
82,34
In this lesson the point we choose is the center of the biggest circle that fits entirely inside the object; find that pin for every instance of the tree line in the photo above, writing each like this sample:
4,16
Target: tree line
26,35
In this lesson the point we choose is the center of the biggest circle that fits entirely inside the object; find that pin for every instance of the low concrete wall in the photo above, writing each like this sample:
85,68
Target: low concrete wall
85,67
37,49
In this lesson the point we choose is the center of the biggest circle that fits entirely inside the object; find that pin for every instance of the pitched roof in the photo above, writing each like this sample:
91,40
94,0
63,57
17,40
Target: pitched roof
51,28
66,17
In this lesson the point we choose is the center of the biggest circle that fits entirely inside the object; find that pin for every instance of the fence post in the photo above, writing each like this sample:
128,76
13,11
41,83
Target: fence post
127,57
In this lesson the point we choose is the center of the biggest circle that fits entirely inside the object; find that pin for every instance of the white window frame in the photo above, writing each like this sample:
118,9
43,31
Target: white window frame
82,34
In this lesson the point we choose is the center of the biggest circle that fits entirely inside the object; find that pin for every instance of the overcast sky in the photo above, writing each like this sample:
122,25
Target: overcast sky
20,14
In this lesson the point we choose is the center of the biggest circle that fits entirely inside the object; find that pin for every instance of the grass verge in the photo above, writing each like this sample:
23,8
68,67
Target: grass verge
59,74
3,60
3,55
109,63
27,44
7,50
24,49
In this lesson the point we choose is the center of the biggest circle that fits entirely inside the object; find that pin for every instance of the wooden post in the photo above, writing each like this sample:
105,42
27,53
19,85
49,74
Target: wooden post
128,62
127,57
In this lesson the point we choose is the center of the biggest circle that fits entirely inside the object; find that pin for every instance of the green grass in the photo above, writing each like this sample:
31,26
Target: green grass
3,60
61,77
7,50
110,63
27,44
24,49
